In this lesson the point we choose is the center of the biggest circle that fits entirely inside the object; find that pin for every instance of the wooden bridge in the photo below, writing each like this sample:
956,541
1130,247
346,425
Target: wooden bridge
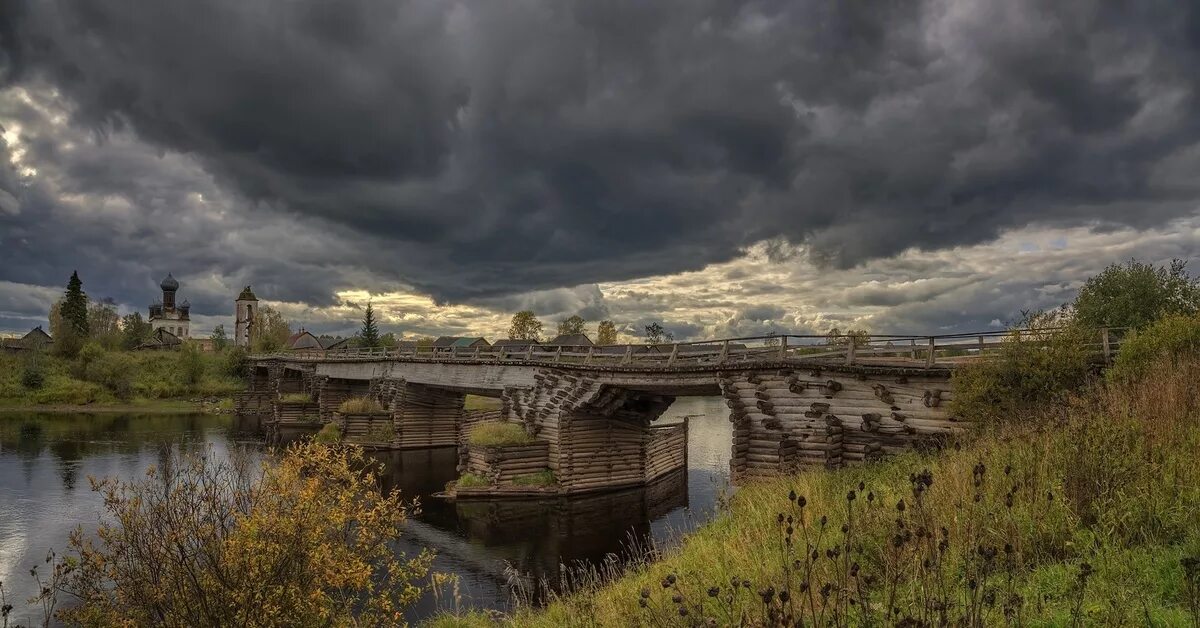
794,400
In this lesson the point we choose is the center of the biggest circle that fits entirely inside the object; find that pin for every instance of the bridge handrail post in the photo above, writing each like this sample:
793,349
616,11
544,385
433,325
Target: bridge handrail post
557,354
724,352
850,346
591,351
932,348
529,352
912,342
783,347
981,346
1107,346
476,356
674,354
628,359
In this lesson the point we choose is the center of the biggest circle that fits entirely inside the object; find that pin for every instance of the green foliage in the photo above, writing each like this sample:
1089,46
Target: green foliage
656,334
498,434
74,308
1136,294
361,405
858,337
1172,338
476,402
100,376
541,478
134,331
295,398
525,326
269,331
219,339
104,324
1032,374
368,335
471,480
571,325
112,370
236,363
33,373
606,333
191,363
330,434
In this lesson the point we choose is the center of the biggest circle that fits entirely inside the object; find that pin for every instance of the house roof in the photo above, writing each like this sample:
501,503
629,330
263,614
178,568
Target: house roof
515,342
458,341
571,340
334,343
303,340
37,334
161,338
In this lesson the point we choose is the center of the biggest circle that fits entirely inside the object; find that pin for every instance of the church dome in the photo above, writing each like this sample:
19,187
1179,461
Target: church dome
169,283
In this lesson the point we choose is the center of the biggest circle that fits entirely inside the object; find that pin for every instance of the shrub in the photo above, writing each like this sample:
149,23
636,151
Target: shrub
112,370
361,405
1170,337
33,375
330,434
295,398
258,566
498,434
191,363
235,363
1032,373
65,390
1136,294
472,480
541,478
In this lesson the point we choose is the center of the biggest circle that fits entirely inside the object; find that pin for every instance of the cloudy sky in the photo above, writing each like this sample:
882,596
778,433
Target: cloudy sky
724,167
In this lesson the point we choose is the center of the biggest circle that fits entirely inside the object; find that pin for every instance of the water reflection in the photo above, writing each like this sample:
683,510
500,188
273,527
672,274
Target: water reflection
45,461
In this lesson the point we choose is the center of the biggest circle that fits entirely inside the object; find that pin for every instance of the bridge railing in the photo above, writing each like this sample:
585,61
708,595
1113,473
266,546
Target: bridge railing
946,350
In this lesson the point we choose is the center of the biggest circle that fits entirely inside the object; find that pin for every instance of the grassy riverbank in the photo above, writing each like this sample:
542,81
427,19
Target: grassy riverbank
1089,517
103,380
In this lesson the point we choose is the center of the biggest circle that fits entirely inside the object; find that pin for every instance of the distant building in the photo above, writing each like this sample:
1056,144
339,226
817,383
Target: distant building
303,340
571,342
169,316
515,345
245,307
449,343
35,339
162,339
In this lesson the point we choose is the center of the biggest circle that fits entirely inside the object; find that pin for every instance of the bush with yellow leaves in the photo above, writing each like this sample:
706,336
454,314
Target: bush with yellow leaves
304,540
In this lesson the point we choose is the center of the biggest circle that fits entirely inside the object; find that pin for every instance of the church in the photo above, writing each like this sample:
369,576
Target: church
169,316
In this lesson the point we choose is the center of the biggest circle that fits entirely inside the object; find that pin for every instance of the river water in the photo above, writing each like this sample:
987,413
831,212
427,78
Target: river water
45,462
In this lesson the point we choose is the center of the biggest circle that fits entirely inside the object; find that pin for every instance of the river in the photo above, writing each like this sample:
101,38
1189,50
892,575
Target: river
45,462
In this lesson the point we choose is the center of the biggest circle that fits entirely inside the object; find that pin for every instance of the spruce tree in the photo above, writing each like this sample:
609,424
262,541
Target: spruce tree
368,336
75,307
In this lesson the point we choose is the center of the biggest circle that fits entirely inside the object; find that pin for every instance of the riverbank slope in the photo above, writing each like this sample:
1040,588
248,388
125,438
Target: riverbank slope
99,380
1091,517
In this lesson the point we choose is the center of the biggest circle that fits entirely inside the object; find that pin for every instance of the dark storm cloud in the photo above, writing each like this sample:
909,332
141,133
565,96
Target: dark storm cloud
477,150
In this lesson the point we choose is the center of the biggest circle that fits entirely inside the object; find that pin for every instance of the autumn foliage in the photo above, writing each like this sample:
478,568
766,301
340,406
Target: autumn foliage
305,540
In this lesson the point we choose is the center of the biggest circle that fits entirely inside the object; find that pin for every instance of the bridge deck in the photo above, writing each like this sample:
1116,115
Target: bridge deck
884,351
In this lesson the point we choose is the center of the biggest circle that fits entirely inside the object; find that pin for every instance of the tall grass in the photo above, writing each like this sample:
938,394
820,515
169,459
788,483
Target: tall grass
498,434
1089,518
361,405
